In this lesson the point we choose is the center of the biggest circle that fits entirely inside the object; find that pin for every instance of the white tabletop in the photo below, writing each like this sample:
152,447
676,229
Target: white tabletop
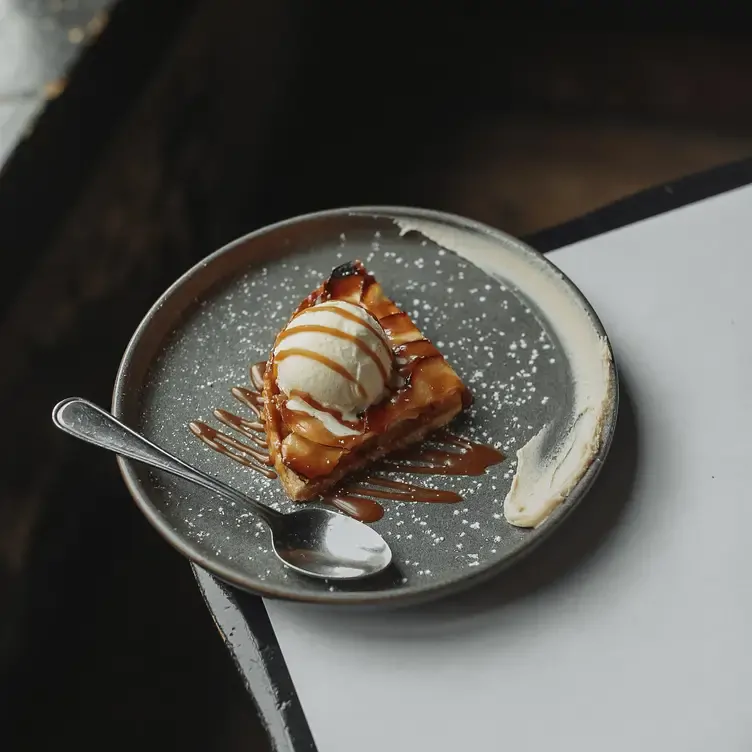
630,628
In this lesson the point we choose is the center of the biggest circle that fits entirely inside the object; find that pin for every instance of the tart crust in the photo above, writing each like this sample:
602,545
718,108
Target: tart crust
427,395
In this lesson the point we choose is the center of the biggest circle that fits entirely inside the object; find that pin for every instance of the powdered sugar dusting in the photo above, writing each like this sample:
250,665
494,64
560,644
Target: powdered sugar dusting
495,342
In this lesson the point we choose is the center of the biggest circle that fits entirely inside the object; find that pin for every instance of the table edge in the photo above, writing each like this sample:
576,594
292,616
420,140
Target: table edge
645,204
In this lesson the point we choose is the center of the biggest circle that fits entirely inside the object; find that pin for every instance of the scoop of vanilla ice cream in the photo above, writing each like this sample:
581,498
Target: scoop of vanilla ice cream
337,353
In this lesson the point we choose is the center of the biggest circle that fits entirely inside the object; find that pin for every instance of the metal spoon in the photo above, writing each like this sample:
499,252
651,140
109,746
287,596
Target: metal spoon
314,542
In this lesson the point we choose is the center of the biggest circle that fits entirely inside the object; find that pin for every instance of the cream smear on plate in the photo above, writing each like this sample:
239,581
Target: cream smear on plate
548,466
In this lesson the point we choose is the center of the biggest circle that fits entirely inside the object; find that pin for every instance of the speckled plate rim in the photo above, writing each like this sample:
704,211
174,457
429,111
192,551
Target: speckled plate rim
123,390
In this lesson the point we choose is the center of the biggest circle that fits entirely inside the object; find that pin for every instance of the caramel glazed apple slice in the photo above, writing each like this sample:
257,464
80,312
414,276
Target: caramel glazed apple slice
351,378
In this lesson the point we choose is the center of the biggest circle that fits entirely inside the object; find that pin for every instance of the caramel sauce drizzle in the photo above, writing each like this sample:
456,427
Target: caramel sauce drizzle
232,448
458,457
351,317
395,490
328,362
362,346
252,400
443,454
364,510
250,429
305,397
257,379
253,430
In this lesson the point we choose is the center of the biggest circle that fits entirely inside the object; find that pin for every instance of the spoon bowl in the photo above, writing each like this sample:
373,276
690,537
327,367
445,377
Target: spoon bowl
326,544
315,542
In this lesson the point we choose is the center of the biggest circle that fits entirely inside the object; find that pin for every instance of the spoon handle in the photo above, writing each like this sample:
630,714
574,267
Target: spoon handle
86,421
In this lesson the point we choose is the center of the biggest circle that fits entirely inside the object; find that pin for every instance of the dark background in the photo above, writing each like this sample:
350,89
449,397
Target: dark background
169,128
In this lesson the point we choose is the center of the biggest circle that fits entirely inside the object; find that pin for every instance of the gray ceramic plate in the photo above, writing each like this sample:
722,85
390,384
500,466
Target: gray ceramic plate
199,339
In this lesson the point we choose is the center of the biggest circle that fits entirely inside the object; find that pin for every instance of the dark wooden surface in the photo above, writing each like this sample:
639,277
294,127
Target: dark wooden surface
185,125
95,647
